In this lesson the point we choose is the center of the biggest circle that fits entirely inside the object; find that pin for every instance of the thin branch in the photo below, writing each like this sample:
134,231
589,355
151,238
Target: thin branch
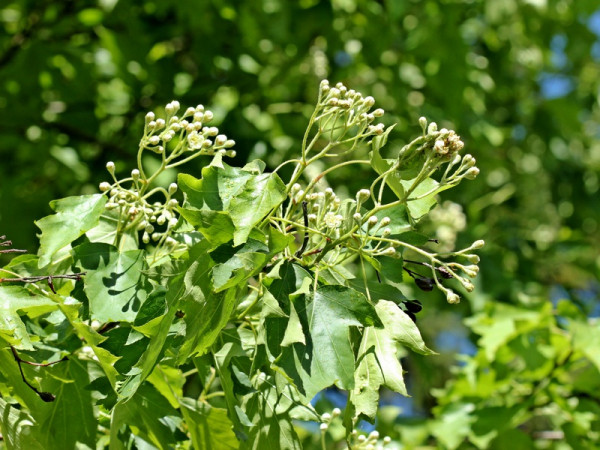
305,242
45,396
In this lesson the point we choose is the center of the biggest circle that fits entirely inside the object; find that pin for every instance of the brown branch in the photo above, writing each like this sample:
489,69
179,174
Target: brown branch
45,396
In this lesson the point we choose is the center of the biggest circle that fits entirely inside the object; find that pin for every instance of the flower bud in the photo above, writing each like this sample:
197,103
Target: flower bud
312,218
169,108
207,143
324,427
104,186
175,105
478,244
472,173
172,222
154,140
198,117
208,116
161,220
386,232
336,412
378,112
326,417
387,440
190,111
135,174
385,221
357,217
362,438
151,125
473,258
363,195
160,123
333,101
334,92
369,101
133,211
149,117
423,123
173,203
390,251
324,83
145,237
467,285
200,108
371,222
374,435
432,128
229,143
452,298
156,236
221,139
149,228
111,205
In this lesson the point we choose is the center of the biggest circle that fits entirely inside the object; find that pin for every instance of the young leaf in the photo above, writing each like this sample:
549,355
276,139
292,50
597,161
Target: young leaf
19,430
259,195
74,216
419,208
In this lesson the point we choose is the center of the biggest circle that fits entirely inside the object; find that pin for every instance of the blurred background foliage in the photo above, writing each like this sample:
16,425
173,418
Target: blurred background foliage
518,79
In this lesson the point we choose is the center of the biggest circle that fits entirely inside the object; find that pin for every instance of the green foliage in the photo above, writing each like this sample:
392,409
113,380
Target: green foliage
247,285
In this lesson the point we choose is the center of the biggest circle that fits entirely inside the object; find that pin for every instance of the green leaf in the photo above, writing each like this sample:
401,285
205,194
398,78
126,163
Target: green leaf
392,269
106,232
215,226
327,358
586,338
412,238
210,428
15,299
71,419
378,364
259,195
236,264
127,344
152,415
152,311
19,430
114,284
401,328
378,291
270,412
419,208
74,216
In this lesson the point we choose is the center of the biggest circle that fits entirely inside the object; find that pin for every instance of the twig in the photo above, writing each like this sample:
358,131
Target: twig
71,276
305,242
8,244
45,396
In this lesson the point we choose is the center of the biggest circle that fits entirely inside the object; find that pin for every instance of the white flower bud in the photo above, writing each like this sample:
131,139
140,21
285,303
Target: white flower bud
207,143
357,217
152,219
198,117
362,438
472,173
110,166
208,116
172,222
167,137
324,83
378,112
336,412
390,251
172,188
467,285
324,427
145,238
114,192
334,92
173,203
369,101
363,195
190,111
150,117
151,125
122,202
161,220
333,101
295,188
111,205
154,140
328,192
221,139
200,108
160,123
149,228
133,211
229,143
231,153
478,244
423,123
169,108
312,218
326,417
176,127
385,221
135,174
372,222
452,298
299,195
387,440
104,186
156,236
432,128
213,131
374,435
175,105
370,117
387,232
